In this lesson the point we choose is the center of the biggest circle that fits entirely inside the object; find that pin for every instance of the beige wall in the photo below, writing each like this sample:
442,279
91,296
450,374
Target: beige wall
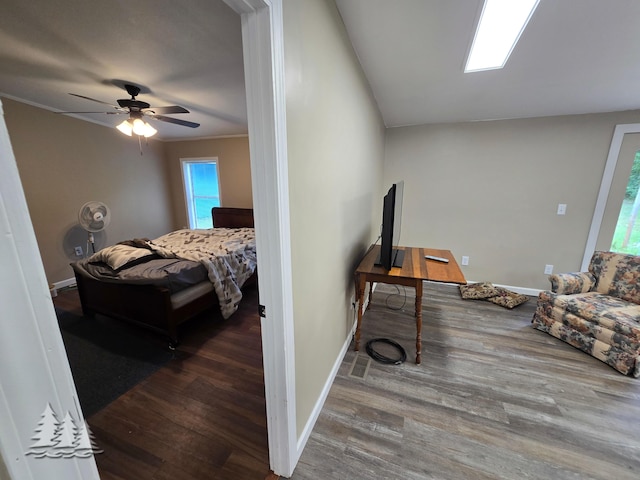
335,152
65,162
234,170
490,190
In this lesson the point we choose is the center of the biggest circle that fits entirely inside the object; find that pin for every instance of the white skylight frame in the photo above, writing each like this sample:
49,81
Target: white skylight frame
499,28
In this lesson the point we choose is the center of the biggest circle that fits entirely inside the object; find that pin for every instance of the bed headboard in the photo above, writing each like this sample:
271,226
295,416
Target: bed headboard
232,217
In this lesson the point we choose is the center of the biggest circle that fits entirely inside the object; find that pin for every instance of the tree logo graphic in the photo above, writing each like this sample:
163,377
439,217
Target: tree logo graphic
62,439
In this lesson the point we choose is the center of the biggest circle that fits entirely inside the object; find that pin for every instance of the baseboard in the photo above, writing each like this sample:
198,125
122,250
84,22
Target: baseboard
308,428
313,418
532,292
55,286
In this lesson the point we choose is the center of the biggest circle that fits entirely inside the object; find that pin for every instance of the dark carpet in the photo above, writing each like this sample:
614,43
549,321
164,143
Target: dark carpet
107,357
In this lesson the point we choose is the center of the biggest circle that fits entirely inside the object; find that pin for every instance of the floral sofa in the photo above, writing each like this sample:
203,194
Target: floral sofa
597,311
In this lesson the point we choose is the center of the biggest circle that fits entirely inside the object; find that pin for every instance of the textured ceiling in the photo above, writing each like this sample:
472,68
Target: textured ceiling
182,53
576,56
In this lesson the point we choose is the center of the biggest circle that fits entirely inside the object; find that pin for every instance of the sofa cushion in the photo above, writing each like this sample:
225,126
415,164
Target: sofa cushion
618,275
575,282
476,291
612,313
508,299
622,360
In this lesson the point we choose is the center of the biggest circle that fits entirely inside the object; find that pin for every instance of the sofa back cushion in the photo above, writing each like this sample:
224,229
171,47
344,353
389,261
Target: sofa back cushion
618,275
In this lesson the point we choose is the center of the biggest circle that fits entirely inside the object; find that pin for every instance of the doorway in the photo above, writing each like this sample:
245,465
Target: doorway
264,70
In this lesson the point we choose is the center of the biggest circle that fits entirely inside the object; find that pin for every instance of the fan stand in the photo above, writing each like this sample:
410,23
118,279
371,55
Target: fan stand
91,240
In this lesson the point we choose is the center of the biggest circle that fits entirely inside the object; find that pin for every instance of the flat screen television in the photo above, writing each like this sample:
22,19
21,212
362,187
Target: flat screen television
390,256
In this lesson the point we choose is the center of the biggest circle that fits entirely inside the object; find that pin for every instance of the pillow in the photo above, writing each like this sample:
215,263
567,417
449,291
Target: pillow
478,290
508,299
121,256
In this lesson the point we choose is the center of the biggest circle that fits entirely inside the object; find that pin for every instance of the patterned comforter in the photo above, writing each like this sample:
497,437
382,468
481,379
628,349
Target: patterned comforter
228,254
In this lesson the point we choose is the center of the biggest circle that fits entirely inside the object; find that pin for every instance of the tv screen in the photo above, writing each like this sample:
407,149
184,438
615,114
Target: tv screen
391,220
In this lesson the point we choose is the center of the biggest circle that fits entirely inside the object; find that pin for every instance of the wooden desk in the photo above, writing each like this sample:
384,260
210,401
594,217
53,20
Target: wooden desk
415,269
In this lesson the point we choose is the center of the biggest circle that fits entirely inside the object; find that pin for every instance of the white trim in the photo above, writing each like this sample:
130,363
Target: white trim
55,286
64,283
605,186
317,409
32,343
211,137
187,185
263,49
532,292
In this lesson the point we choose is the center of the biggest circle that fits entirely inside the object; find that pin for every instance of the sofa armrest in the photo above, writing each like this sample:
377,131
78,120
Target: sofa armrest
570,283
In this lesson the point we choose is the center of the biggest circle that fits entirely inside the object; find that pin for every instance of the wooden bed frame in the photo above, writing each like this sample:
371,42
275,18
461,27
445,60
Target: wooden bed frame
148,305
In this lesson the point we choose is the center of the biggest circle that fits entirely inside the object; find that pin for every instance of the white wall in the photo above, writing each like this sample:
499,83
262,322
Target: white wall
335,152
490,190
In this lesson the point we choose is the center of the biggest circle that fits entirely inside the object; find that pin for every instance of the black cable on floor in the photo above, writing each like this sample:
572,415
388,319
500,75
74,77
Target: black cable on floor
398,293
378,357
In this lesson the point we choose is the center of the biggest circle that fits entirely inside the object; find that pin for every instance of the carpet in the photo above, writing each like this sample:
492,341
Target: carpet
107,357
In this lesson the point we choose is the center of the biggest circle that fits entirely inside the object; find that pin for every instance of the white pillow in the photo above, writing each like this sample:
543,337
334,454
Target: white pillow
120,256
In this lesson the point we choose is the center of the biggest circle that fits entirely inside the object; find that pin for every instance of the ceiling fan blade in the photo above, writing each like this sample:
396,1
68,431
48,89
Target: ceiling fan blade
184,123
165,110
108,113
94,100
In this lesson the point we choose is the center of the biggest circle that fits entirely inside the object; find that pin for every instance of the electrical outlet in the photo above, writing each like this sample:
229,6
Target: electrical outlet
548,269
562,208
78,251
465,260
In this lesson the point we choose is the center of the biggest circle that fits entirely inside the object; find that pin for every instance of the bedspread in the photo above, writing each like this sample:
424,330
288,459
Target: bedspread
228,254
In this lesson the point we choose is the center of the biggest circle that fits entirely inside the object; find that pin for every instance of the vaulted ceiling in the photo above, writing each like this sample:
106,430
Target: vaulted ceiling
576,56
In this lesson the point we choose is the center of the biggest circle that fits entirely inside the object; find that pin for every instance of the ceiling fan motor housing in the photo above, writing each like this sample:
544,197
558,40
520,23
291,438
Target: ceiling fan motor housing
133,105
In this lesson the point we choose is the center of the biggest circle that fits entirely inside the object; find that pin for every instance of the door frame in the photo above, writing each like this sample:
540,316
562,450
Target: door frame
34,339
605,186
263,50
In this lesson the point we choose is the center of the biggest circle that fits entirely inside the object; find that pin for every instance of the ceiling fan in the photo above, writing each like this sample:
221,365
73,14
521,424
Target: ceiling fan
137,109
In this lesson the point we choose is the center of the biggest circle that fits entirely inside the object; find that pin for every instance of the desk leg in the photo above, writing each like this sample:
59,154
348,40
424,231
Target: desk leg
361,283
418,321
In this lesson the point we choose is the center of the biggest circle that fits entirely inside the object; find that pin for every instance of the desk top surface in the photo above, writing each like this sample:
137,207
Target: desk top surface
414,266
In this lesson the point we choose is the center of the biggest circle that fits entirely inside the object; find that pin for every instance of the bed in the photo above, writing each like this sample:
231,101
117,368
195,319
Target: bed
161,283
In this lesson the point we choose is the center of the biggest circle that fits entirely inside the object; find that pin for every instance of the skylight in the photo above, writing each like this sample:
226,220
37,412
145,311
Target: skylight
500,26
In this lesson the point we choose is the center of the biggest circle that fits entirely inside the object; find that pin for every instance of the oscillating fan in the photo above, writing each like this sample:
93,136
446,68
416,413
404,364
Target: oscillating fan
94,217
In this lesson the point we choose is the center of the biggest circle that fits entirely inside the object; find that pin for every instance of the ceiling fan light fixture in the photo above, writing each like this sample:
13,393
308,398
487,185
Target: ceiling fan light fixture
142,128
149,131
137,126
126,127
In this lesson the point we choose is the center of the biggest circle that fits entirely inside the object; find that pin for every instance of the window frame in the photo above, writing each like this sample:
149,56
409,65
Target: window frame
187,188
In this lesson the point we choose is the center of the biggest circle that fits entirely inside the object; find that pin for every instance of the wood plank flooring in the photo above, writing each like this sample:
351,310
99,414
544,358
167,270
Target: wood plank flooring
493,399
201,416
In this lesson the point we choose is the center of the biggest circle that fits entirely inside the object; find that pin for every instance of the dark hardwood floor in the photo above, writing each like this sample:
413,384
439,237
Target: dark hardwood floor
493,399
201,416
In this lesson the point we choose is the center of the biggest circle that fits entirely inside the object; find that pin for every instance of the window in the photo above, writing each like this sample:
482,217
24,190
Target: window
626,238
201,190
